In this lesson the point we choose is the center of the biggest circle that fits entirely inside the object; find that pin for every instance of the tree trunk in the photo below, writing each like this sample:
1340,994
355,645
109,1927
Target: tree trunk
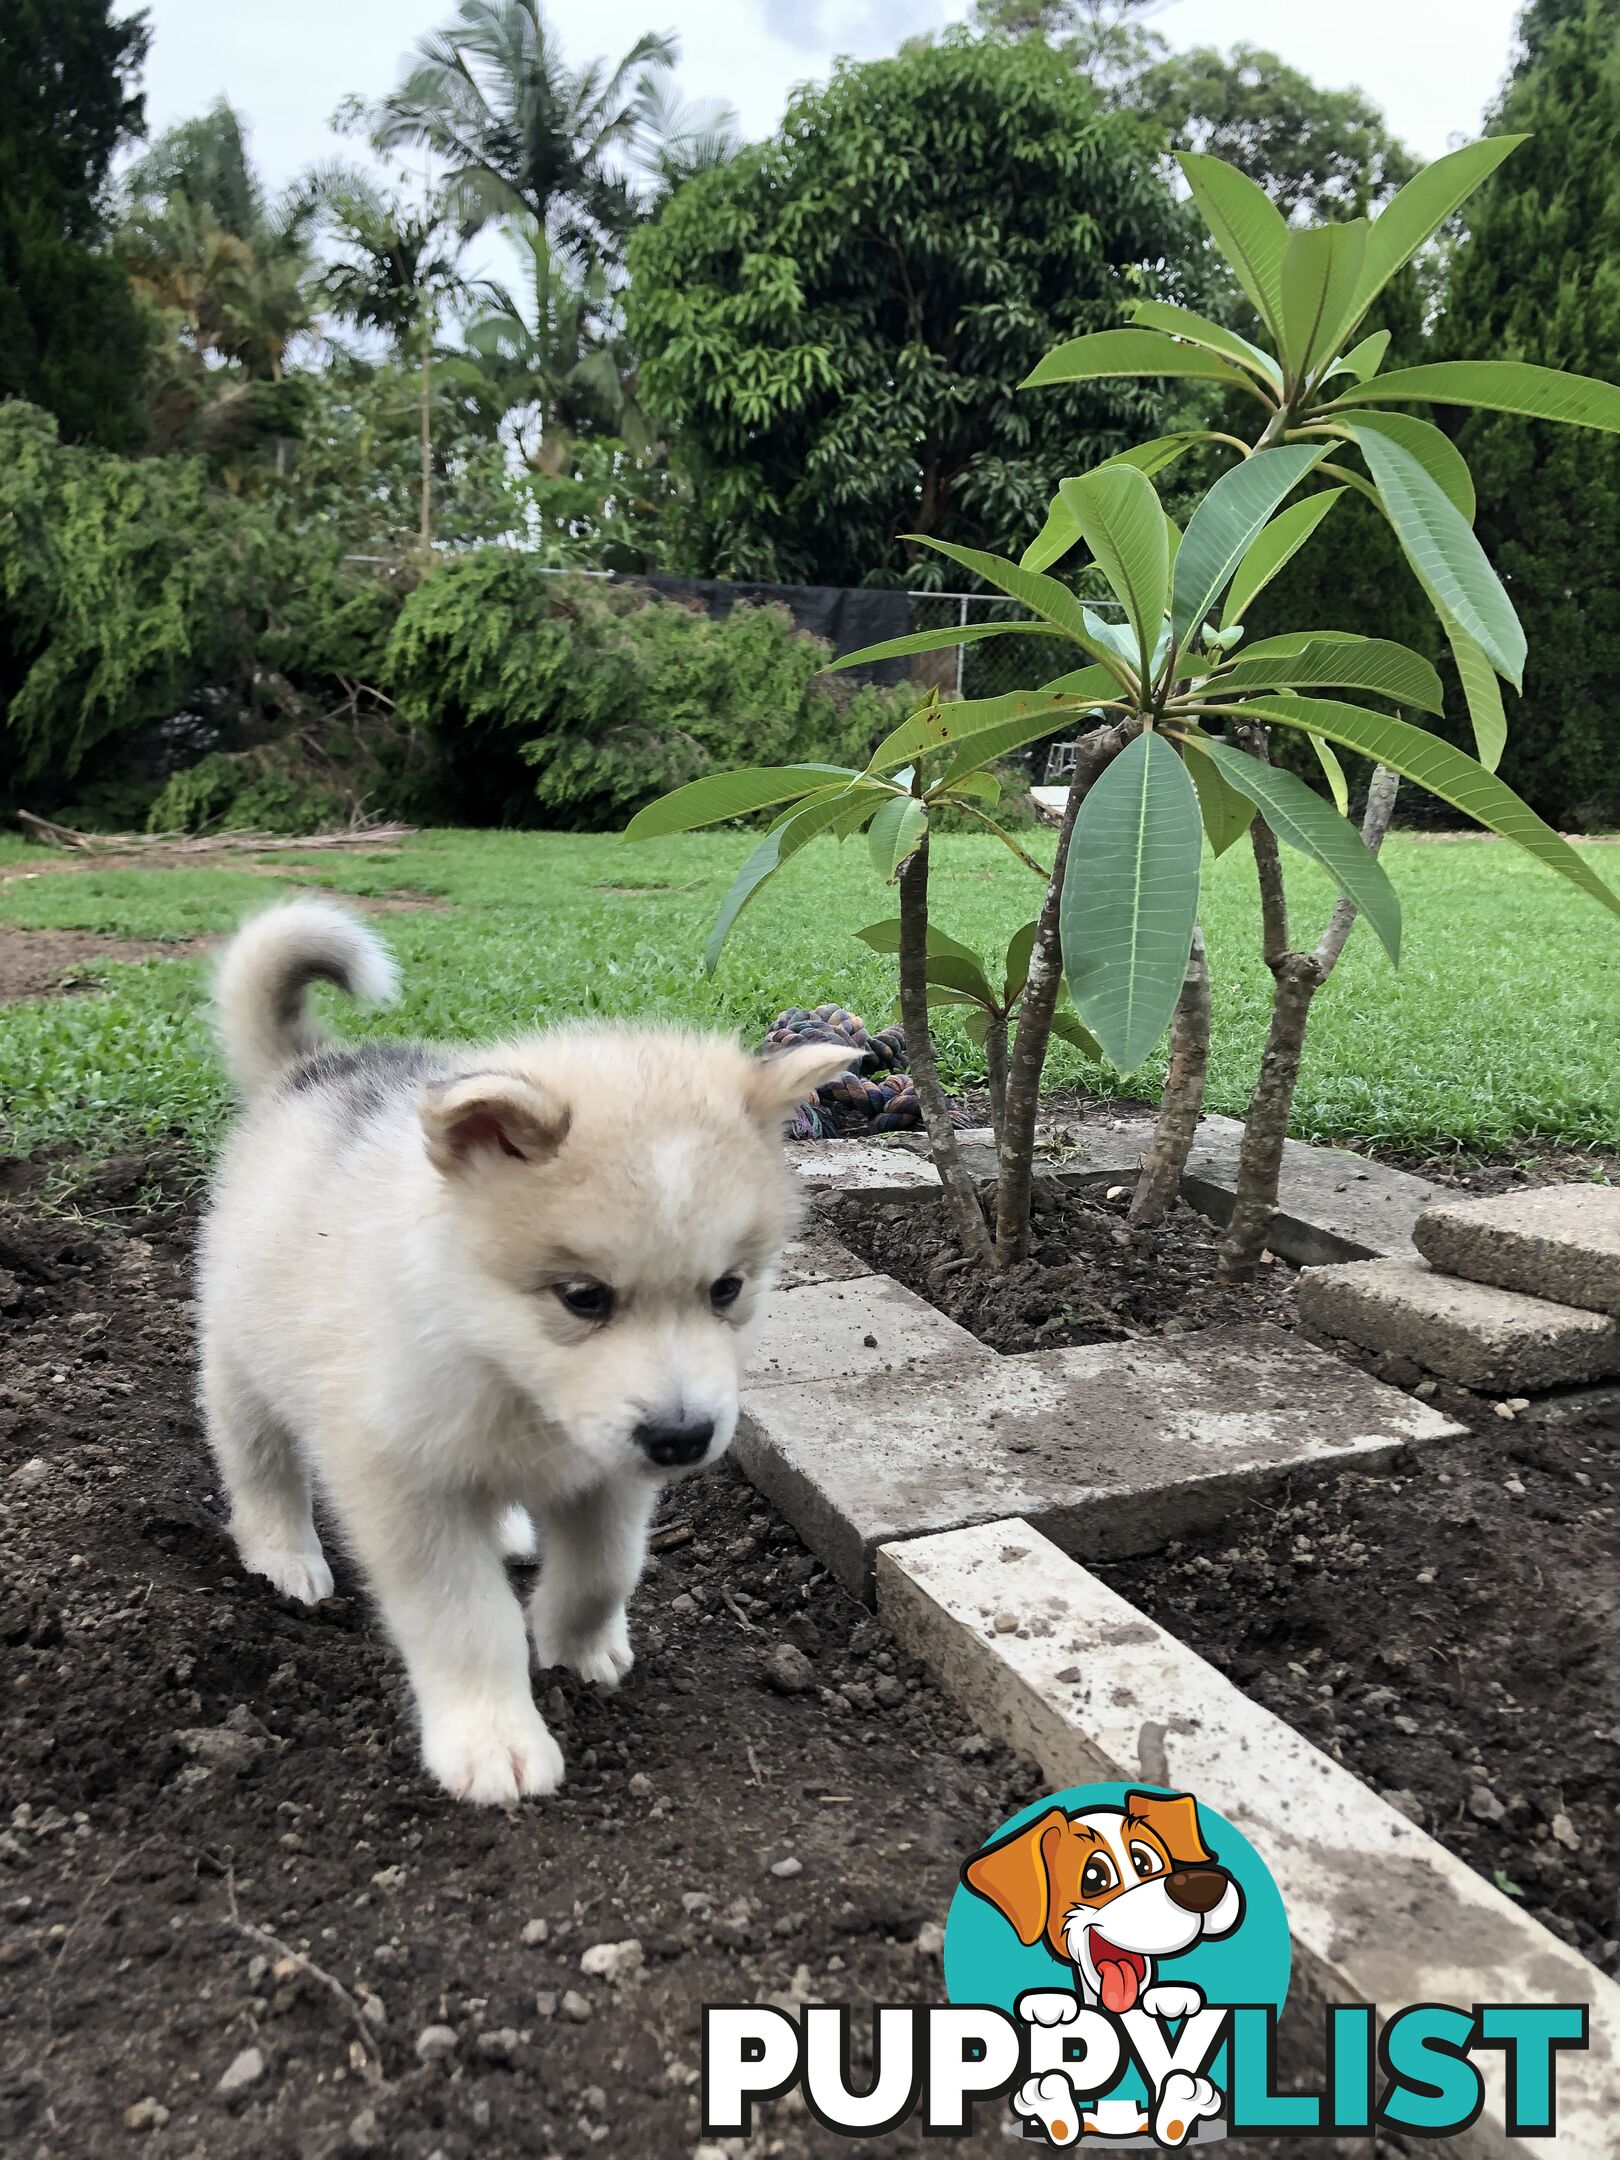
1183,1097
1298,977
425,535
1016,1157
995,1074
959,1192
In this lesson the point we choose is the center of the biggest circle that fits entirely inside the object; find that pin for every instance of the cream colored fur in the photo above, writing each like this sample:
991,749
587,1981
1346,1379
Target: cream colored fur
380,1317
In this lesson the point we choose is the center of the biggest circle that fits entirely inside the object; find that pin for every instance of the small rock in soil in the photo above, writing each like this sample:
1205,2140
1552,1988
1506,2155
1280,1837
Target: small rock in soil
615,1962
217,1747
788,1670
241,2074
497,2046
147,2114
575,2006
535,1931
785,1870
434,2042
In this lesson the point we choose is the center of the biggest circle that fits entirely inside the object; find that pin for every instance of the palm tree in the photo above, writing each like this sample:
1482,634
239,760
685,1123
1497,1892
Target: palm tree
554,352
397,267
518,131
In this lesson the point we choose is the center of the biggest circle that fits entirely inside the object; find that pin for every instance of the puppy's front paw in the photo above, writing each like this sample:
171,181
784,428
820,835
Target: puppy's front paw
600,1654
492,1755
1048,2006
1050,2100
296,1572
1172,1999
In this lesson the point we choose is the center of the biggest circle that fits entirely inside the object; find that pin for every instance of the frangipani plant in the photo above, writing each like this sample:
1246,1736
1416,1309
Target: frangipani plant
1182,708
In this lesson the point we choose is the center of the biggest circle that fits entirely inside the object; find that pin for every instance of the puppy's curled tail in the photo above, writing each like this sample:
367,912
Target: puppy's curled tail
261,990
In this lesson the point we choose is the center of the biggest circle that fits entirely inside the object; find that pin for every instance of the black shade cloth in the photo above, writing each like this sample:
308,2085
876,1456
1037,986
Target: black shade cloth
847,616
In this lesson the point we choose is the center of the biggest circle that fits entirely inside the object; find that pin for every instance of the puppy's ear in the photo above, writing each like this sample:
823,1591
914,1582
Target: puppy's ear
487,1116
1014,1877
776,1085
1173,1819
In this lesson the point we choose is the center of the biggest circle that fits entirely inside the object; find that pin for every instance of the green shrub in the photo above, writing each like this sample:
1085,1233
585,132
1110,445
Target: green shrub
125,584
563,701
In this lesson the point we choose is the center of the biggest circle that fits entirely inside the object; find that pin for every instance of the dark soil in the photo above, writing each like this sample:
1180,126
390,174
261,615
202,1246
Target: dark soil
1092,1276
1445,1628
131,1976
46,963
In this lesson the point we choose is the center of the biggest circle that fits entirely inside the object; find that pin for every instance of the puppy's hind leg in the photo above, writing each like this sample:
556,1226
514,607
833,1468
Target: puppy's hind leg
272,1526
592,1551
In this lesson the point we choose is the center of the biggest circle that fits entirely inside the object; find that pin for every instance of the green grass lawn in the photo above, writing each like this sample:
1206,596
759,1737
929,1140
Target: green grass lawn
1503,1022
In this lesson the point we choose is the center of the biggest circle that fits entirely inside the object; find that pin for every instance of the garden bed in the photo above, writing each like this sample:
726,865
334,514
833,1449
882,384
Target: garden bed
1443,1626
128,1624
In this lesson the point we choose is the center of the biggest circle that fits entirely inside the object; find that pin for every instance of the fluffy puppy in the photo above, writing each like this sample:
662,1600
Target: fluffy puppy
447,1285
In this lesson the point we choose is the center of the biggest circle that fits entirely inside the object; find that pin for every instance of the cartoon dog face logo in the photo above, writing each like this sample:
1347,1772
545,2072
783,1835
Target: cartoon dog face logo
1111,1891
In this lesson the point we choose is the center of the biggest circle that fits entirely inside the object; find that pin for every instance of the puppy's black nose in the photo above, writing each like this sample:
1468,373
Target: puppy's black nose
674,1443
1197,1889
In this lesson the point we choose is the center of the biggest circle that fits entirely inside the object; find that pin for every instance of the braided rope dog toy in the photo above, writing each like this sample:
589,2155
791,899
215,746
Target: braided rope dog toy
877,1095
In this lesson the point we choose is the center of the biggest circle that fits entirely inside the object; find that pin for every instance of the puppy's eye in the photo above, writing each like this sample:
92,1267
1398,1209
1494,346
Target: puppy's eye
1146,1861
725,1292
1098,1877
585,1300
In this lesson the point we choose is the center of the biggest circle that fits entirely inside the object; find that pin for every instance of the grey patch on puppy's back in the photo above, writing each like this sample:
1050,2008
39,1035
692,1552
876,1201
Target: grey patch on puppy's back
372,1076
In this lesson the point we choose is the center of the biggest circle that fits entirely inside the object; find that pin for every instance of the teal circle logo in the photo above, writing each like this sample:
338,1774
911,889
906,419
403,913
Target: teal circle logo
1132,1901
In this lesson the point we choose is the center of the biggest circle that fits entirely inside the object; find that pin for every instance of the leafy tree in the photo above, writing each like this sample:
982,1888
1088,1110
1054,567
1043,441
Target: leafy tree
1317,153
1106,38
69,327
1538,278
518,130
831,324
125,584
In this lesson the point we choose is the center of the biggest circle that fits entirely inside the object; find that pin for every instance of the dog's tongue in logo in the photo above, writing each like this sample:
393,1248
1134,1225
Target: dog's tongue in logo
1119,1974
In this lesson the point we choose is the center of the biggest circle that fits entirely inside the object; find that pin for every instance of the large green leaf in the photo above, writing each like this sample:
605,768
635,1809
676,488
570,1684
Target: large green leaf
1214,337
1436,453
920,641
1483,694
1130,352
1511,386
1220,530
779,845
1068,1027
1327,758
719,796
896,833
984,745
1020,946
1362,360
954,965
1422,207
1272,547
1227,815
1247,227
959,725
1343,663
1121,522
1043,595
1320,267
1299,817
1130,898
1445,771
1438,542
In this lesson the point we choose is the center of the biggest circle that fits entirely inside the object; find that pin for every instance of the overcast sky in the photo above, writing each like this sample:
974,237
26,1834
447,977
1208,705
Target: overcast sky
1432,64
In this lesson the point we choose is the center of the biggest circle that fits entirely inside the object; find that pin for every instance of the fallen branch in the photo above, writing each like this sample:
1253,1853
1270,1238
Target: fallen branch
45,833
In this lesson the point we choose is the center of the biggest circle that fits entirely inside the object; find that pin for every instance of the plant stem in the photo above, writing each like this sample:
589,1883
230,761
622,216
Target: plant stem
1183,1096
995,1072
959,1193
1016,1149
1297,976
